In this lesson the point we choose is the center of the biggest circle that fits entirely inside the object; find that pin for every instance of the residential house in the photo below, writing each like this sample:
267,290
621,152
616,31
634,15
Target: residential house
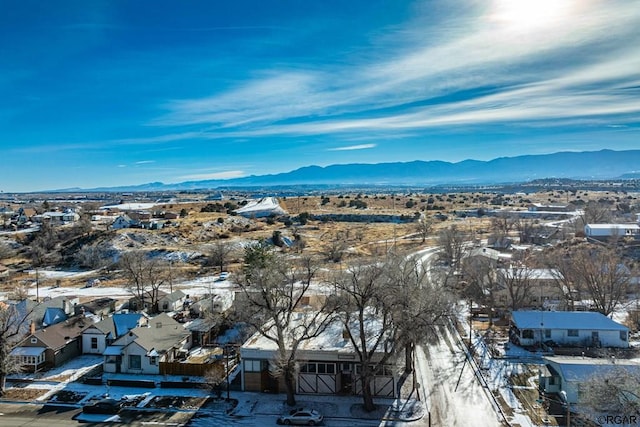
494,257
567,328
25,215
540,207
97,337
142,349
52,346
57,217
219,302
123,221
99,307
543,286
173,301
566,375
607,231
328,364
38,315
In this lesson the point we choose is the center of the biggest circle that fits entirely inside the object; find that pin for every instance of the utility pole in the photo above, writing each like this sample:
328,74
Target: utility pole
226,350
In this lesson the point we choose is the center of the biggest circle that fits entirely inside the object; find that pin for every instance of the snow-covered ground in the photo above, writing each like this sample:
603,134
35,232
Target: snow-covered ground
130,206
196,287
62,274
454,396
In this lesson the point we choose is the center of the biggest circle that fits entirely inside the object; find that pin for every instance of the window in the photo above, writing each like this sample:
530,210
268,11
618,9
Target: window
153,360
34,340
135,361
309,368
319,368
253,366
547,333
623,335
527,333
94,343
572,333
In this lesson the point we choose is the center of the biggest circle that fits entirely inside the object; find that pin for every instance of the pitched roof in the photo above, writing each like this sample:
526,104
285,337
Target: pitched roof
124,322
53,315
119,324
174,296
161,334
58,335
536,319
581,369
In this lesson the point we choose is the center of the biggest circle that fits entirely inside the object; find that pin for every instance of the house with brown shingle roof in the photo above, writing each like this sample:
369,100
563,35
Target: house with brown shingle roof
51,346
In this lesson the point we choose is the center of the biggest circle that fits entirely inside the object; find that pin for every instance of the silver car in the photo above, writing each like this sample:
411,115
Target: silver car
301,417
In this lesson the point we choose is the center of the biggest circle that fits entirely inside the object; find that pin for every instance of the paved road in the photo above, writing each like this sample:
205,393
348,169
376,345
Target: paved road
14,415
440,364
28,415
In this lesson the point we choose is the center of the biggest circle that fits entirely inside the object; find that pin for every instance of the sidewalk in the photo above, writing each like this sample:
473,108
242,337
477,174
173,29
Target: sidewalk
330,406
408,407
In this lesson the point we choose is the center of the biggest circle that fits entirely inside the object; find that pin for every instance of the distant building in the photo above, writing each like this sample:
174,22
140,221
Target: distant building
540,207
599,231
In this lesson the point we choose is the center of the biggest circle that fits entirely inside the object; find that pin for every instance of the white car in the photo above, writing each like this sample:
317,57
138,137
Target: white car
223,276
301,417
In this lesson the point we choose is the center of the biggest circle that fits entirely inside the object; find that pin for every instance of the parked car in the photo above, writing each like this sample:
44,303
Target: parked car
103,406
301,417
223,276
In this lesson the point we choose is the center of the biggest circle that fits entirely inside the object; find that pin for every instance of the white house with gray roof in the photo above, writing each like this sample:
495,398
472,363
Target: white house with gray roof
98,336
565,375
567,328
142,349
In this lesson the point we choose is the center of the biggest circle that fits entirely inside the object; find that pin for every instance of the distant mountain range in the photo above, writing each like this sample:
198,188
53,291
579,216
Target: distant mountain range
604,164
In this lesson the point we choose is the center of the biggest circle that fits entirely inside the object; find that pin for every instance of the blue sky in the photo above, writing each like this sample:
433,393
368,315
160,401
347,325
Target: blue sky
105,93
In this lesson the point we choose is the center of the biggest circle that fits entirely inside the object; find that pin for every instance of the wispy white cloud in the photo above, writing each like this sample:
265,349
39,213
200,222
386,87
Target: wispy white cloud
145,162
353,147
477,69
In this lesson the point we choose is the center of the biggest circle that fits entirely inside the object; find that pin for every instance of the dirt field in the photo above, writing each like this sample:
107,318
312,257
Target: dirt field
198,230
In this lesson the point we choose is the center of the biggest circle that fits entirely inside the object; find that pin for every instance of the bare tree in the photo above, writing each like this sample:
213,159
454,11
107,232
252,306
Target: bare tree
43,251
424,227
93,256
562,268
602,274
368,321
452,244
517,282
480,282
419,301
220,253
214,378
12,323
614,391
275,290
146,275
596,213
335,247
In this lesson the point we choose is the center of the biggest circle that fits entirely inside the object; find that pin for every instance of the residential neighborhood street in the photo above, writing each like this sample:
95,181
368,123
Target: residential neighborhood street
467,404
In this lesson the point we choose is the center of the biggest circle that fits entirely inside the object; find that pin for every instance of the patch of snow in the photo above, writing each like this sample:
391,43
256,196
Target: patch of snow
62,274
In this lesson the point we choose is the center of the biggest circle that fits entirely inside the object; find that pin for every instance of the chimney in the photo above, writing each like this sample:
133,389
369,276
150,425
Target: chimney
345,334
32,327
